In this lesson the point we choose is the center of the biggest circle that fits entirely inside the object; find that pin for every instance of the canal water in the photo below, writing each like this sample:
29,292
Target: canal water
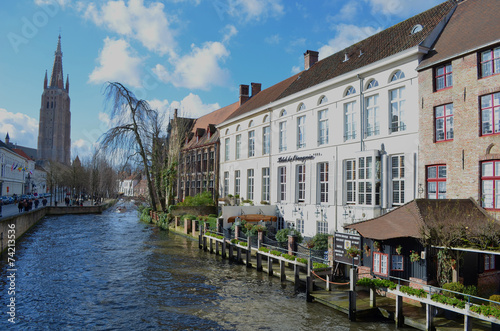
113,272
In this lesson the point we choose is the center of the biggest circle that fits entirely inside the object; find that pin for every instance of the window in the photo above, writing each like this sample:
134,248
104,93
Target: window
380,263
301,107
251,143
301,183
372,123
444,77
323,181
350,177
266,140
321,227
282,186
398,179
489,262
490,114
283,113
250,183
301,137
226,183
323,127
436,182
250,124
490,62
226,150
299,225
350,90
349,121
265,184
282,145
322,100
397,75
237,183
444,122
397,110
371,84
397,262
238,146
490,184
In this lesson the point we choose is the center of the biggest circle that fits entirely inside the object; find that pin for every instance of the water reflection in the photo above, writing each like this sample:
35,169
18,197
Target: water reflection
113,272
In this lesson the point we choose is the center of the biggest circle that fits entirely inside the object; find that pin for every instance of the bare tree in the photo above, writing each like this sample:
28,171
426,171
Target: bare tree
134,119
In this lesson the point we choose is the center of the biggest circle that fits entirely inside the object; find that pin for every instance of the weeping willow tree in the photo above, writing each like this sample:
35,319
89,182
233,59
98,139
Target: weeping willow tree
130,137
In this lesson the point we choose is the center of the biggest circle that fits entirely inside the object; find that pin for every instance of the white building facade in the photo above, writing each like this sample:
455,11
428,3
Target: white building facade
341,150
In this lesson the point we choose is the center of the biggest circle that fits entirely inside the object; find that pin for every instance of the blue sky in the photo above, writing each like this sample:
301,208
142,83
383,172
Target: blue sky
186,54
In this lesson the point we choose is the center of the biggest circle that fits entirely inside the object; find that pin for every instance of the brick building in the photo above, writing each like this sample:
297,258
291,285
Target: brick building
54,130
459,97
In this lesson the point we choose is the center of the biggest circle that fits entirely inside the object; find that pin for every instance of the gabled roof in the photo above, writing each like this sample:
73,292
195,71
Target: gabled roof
390,41
409,219
473,25
21,153
203,124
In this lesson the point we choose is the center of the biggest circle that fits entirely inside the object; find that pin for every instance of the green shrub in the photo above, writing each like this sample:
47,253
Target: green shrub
470,290
145,217
320,241
302,260
289,257
234,241
201,199
277,253
264,249
496,298
413,291
320,266
188,217
385,283
282,235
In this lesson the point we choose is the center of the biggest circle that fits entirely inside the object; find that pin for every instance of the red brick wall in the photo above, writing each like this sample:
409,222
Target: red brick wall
463,180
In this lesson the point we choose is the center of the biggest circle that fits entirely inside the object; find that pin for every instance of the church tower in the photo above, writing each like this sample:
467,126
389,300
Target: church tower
54,130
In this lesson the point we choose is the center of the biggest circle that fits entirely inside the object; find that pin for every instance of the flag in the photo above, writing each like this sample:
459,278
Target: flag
12,168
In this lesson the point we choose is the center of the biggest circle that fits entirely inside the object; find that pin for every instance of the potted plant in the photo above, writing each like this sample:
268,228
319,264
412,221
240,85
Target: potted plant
414,256
367,249
376,245
399,249
353,251
260,228
310,244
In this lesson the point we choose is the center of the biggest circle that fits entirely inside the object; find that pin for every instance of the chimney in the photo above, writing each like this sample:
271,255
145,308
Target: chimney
310,58
175,113
243,94
256,88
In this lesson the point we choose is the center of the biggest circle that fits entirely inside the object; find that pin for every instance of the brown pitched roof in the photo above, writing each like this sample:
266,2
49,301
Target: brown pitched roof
473,24
264,97
388,42
409,219
21,153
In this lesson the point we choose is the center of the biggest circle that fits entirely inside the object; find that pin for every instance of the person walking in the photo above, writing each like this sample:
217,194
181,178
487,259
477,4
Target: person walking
20,206
36,203
44,202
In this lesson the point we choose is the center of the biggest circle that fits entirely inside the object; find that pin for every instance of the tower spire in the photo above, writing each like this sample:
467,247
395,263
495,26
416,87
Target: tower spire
57,69
45,81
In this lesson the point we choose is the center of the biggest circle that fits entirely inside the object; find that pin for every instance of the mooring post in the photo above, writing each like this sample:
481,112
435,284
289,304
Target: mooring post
231,251
428,317
296,273
399,311
352,295
210,245
373,298
216,247
260,238
193,227
224,248
282,270
309,283
468,319
238,254
204,243
200,240
270,266
259,260
249,252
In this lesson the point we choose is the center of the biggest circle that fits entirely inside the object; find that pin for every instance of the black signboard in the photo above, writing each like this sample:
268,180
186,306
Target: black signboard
343,241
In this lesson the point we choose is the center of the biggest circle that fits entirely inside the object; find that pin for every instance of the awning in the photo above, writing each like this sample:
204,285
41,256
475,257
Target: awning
254,218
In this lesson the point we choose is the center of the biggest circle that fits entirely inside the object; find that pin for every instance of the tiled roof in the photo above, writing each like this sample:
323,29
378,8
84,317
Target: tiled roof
21,153
203,125
388,42
264,97
473,25
409,219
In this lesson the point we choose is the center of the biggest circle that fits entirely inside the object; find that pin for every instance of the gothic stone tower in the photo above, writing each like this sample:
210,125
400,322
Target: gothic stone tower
54,128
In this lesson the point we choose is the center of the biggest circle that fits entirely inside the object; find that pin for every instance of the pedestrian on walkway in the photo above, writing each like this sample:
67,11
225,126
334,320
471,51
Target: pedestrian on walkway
44,202
20,206
36,203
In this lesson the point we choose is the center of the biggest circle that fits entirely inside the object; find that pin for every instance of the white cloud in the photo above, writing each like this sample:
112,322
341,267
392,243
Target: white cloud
117,63
192,106
22,129
198,70
250,10
61,3
273,40
229,32
347,35
295,70
81,148
401,8
147,24
348,12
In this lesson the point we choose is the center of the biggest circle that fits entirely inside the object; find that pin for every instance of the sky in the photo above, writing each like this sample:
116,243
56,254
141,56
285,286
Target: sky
185,54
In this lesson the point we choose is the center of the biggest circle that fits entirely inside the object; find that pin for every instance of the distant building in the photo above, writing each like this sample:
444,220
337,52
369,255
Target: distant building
54,130
16,169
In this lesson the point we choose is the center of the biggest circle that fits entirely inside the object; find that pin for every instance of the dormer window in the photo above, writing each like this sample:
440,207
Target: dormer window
350,90
417,28
301,107
322,100
283,113
250,124
371,84
397,75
